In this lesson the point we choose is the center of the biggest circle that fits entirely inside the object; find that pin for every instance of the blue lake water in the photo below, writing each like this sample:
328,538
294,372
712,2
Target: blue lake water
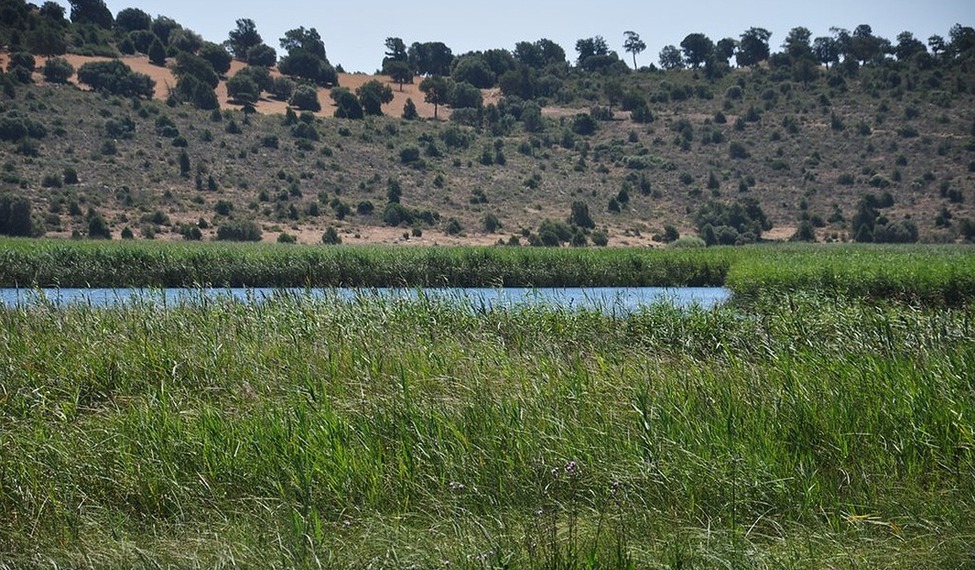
608,299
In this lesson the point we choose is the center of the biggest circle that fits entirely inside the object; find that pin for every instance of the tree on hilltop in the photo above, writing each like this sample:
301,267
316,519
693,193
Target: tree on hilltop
91,12
302,39
132,19
243,38
753,47
634,45
697,49
826,50
671,58
430,58
396,52
725,49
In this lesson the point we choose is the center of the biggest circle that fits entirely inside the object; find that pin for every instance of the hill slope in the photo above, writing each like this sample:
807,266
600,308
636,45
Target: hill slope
802,151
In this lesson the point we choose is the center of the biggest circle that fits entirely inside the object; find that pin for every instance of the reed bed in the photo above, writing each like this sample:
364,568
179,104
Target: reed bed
374,432
47,263
920,275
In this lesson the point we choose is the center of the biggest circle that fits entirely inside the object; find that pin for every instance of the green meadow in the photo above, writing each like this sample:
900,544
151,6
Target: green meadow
824,418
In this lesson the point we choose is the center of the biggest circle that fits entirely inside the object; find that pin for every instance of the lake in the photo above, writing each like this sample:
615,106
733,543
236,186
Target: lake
609,299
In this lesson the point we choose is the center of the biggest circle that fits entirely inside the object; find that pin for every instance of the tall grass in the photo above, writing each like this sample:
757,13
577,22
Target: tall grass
931,275
27,263
395,433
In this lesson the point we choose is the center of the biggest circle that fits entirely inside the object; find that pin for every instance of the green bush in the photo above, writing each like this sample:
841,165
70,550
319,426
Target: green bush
245,230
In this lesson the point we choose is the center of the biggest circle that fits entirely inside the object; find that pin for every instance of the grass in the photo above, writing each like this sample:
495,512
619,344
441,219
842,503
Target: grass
386,433
27,263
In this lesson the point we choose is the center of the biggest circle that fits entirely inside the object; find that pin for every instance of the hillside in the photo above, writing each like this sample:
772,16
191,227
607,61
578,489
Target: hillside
800,149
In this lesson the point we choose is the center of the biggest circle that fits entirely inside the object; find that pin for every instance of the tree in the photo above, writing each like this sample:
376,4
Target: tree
937,45
539,54
97,226
590,47
826,50
306,98
58,70
962,40
282,88
15,216
347,105
184,163
697,49
634,45
436,91
243,89
395,53
864,46
243,38
116,78
671,58
464,96
908,46
307,40
725,49
753,47
409,110
796,43
474,70
373,95
307,65
579,215
400,72
185,40
217,56
431,58
157,53
52,12
132,19
742,221
613,90
47,40
262,55
194,65
164,27
91,12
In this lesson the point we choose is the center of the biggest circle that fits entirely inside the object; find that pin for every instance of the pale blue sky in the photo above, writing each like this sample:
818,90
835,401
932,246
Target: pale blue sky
354,32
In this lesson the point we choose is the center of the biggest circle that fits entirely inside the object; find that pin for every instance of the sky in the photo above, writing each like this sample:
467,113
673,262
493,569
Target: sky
354,32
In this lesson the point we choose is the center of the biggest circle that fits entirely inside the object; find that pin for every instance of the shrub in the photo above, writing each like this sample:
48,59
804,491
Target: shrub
116,78
738,151
58,70
331,236
491,223
306,97
452,227
239,231
15,216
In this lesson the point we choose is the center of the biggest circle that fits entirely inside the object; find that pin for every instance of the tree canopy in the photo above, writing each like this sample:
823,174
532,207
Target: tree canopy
243,38
634,45
697,49
91,12
753,47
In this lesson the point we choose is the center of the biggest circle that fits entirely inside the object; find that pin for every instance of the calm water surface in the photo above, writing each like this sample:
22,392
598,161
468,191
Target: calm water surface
609,299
